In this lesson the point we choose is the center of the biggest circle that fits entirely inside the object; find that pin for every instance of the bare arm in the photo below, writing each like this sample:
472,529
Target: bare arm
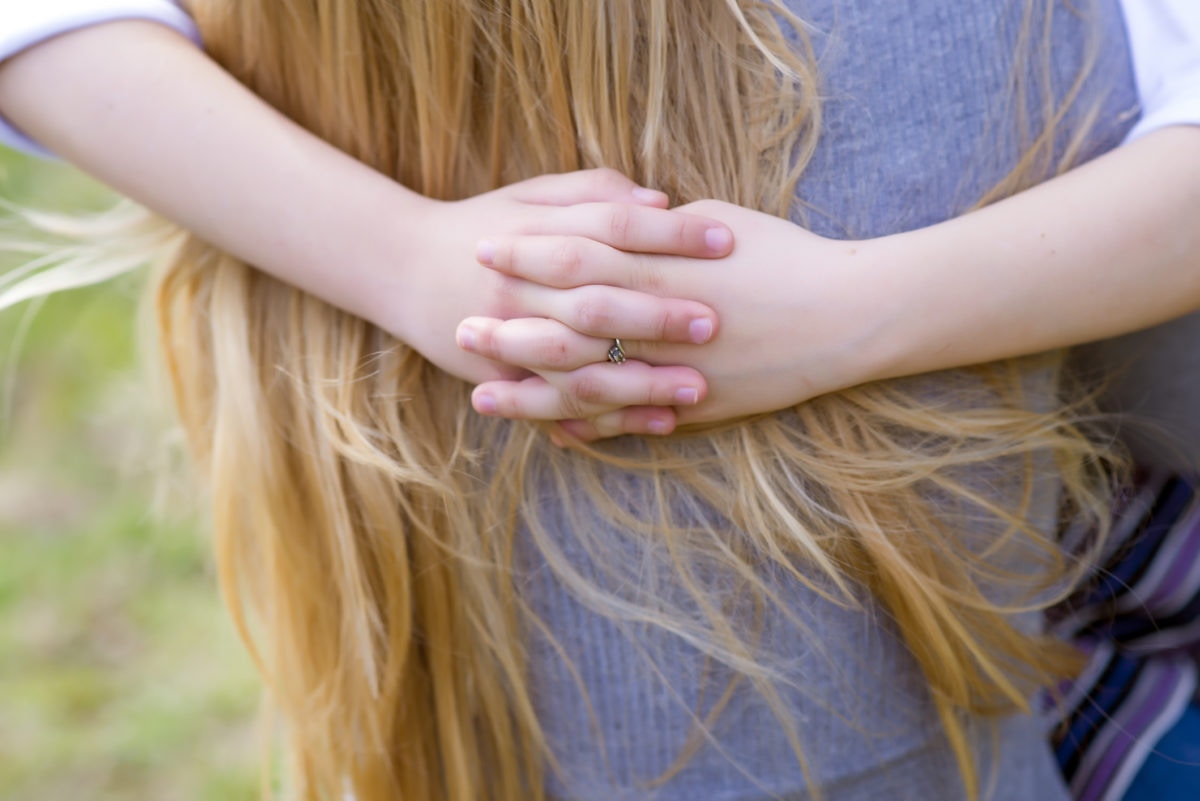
141,108
1109,248
138,106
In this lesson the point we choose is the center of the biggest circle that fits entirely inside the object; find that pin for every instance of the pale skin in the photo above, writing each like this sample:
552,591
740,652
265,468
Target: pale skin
724,311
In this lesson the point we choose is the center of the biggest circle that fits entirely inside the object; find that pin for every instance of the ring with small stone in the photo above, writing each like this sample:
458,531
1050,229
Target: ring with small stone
616,353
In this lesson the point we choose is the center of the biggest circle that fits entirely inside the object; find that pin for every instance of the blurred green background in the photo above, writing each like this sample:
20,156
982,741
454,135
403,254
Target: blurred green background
120,674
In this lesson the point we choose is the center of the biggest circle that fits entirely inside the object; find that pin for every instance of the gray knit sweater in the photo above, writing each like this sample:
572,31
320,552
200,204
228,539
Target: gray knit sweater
915,131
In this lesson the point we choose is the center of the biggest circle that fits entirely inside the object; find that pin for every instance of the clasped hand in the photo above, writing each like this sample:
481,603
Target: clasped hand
722,311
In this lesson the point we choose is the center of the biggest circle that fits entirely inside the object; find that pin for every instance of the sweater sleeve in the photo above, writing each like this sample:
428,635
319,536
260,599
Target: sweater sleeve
1164,40
25,24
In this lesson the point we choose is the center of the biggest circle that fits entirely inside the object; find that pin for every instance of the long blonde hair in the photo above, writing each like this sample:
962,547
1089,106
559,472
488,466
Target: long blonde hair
365,535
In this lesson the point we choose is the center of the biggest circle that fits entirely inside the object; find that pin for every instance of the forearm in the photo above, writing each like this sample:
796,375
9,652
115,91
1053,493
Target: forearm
1109,248
143,110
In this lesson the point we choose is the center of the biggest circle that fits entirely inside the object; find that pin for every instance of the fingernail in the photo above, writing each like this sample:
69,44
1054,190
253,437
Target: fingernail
485,252
718,240
485,403
649,195
700,330
659,427
467,339
687,396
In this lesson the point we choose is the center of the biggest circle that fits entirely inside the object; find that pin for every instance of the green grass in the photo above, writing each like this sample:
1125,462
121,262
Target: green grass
120,675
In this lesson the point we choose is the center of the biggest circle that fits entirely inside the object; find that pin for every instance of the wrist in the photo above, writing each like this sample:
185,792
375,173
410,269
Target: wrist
942,300
882,335
927,300
391,236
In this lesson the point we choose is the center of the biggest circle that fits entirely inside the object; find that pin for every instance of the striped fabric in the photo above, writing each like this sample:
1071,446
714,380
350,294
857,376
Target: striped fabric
1138,621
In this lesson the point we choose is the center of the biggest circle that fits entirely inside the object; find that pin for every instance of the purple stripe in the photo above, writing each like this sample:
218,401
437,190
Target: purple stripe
1129,732
1182,561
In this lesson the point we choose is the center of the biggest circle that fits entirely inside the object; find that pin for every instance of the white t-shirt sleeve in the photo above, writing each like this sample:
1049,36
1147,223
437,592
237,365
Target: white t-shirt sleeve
1164,40
24,23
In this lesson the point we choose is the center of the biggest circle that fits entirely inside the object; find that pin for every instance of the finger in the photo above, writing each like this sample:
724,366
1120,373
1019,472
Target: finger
534,343
640,229
541,344
587,186
608,312
562,262
589,391
654,421
570,261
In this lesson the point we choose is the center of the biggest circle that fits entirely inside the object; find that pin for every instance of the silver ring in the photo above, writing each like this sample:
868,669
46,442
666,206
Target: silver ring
616,353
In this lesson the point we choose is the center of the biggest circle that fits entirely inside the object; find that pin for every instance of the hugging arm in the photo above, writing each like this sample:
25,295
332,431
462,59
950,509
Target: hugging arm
1106,249
140,107
1109,248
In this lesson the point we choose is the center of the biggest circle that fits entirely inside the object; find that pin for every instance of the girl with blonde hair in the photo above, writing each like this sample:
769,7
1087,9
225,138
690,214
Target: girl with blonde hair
826,583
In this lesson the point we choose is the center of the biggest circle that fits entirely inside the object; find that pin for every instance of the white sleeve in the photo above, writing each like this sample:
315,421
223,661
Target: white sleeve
1164,40
24,23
